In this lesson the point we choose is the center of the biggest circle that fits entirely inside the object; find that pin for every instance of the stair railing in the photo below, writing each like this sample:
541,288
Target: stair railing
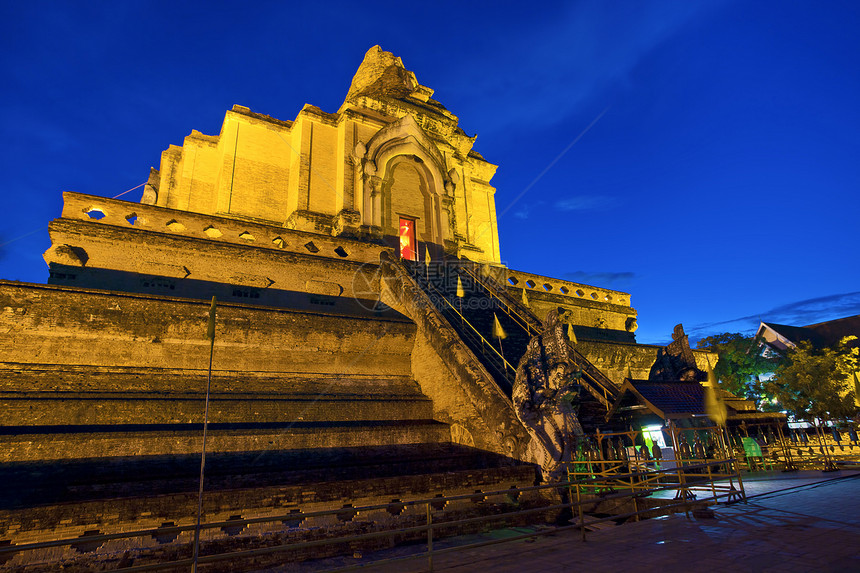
508,308
596,382
604,390
604,385
476,336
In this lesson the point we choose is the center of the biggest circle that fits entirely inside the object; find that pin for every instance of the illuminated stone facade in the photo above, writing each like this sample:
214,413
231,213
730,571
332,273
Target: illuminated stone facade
296,215
390,151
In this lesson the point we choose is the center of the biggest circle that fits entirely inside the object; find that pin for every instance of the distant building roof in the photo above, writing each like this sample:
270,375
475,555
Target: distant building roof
782,336
678,399
832,331
665,399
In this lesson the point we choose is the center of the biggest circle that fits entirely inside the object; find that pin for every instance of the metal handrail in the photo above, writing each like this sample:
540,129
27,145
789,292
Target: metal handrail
498,371
465,321
605,384
510,310
594,373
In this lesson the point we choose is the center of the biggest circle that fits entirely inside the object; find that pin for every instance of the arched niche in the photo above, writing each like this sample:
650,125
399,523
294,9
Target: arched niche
402,151
406,193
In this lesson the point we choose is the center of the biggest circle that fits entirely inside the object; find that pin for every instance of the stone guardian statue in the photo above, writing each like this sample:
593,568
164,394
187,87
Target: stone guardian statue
545,397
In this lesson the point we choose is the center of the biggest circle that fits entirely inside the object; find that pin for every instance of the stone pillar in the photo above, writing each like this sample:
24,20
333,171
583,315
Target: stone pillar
376,200
447,217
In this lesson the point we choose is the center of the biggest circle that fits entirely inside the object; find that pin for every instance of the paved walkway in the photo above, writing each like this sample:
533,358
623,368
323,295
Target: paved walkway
814,525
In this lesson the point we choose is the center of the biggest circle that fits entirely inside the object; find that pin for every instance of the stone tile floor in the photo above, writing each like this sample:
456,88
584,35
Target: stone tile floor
814,525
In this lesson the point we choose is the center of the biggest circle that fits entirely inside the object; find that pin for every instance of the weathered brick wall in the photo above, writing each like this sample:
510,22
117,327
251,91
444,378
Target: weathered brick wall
602,314
48,395
141,248
620,360
302,173
56,325
77,362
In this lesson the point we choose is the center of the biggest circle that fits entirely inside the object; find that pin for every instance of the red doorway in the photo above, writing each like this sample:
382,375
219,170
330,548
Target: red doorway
408,249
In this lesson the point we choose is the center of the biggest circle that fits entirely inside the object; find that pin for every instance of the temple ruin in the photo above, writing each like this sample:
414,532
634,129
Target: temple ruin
367,328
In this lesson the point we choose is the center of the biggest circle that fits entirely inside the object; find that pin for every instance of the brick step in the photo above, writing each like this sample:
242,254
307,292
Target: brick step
19,377
22,443
36,396
39,409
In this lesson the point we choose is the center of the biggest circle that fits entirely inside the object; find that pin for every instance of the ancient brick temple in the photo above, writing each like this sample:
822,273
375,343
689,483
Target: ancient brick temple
336,245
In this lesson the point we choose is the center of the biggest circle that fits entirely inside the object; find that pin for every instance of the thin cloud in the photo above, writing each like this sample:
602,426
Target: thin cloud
525,209
799,313
601,278
582,203
573,56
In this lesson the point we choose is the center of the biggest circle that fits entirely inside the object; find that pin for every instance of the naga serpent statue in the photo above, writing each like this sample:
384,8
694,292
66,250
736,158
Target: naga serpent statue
545,397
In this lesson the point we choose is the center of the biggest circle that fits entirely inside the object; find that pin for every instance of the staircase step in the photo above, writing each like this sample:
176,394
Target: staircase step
38,409
29,484
34,396
23,443
19,377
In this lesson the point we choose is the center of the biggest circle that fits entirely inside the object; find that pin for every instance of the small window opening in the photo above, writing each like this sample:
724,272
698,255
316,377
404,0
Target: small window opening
295,518
167,533
347,514
246,293
440,504
235,525
396,507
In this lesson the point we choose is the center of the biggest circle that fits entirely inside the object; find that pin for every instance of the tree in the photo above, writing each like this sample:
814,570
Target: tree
740,363
811,383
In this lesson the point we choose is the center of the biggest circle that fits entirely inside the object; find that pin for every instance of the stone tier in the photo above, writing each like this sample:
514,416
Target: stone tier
22,443
48,396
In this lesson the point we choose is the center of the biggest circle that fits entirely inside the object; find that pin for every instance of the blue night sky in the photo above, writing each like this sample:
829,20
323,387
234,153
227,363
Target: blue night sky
718,180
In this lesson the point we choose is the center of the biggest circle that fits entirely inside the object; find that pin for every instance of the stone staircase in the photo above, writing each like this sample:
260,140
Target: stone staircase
277,444
473,316
151,412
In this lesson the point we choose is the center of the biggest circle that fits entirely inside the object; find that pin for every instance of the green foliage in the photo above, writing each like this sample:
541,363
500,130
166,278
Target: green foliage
739,364
812,383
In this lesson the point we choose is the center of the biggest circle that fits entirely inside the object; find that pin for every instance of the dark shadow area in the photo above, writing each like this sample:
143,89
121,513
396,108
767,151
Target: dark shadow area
122,281
33,484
